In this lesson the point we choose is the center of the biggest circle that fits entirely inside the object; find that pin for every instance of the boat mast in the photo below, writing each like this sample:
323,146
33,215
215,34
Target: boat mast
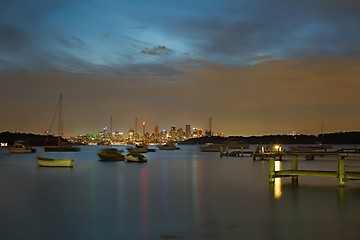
322,132
60,123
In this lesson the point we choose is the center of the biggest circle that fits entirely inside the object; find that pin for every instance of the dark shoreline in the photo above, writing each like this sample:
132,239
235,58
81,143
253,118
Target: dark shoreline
326,138
31,139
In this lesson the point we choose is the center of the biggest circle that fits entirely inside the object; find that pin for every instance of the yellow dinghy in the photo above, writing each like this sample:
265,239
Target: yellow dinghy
51,162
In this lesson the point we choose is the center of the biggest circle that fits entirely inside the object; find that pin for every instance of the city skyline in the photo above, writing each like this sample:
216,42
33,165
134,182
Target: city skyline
142,127
255,67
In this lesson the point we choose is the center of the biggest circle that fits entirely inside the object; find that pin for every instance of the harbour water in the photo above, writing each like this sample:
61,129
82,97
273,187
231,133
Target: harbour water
181,194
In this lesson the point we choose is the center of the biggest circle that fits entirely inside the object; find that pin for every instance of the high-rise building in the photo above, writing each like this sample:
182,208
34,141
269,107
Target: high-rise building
172,133
131,134
156,133
143,126
195,132
208,131
187,131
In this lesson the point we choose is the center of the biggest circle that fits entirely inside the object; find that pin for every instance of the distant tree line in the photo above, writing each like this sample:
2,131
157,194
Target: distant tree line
29,138
326,138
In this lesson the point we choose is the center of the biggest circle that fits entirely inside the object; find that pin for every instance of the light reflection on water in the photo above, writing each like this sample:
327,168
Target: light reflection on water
183,194
277,183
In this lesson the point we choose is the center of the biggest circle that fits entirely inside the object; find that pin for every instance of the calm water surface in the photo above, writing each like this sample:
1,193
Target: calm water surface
183,194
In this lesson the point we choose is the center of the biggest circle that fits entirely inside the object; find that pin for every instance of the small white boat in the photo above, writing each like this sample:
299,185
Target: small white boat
21,147
135,157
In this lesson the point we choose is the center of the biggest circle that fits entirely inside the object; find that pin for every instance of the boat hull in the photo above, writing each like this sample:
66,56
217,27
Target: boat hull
168,147
50,162
29,150
138,150
61,149
135,157
111,154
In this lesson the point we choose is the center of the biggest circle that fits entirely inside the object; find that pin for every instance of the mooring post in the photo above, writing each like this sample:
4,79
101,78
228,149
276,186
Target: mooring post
221,151
294,166
272,170
341,170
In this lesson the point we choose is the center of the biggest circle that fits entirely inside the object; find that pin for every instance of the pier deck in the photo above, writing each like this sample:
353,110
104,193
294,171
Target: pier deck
309,155
294,172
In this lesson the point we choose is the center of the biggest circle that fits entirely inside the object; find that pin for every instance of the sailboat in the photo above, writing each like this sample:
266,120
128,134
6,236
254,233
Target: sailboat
60,147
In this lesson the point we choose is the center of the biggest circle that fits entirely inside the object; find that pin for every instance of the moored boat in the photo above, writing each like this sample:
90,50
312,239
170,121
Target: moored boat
135,157
52,162
138,149
111,154
168,146
62,148
209,147
20,146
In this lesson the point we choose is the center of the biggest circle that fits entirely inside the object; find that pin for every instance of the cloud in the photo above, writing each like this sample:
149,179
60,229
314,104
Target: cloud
197,62
236,34
159,50
12,37
261,58
71,42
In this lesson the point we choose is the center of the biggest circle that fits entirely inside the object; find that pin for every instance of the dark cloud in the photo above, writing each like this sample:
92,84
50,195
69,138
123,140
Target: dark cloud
72,42
12,37
138,28
145,69
281,28
159,50
228,32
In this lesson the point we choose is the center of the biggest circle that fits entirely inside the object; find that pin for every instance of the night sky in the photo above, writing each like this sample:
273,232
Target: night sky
255,67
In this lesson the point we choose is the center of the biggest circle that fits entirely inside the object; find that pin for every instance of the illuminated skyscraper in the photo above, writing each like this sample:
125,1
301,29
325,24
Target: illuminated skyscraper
187,131
131,134
143,125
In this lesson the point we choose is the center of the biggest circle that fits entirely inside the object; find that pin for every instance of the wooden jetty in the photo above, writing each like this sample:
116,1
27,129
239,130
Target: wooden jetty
295,172
252,153
238,153
308,155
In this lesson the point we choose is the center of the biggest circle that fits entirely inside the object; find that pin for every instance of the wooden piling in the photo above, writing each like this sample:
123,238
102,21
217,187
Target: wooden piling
341,170
272,170
294,167
224,151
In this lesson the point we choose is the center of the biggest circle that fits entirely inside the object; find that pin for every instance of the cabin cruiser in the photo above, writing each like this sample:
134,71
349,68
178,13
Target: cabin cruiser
20,146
